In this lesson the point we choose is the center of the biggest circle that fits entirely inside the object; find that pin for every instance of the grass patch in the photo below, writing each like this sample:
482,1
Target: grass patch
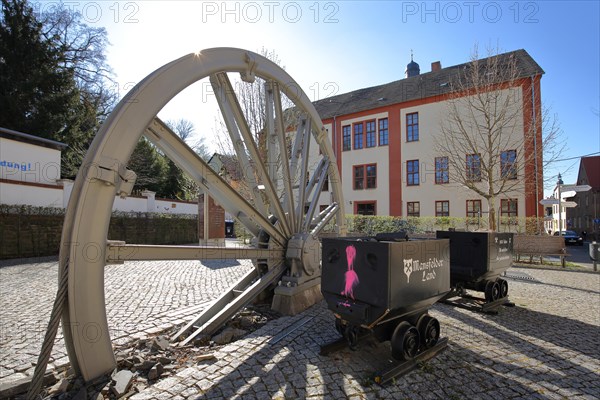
426,367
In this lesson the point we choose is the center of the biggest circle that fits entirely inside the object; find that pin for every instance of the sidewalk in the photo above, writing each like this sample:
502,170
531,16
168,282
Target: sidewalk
546,347
578,255
581,255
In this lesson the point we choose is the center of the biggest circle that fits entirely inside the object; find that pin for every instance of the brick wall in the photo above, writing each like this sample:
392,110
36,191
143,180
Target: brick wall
39,235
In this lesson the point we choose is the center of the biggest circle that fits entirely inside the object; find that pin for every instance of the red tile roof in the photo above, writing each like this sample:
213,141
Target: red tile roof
591,165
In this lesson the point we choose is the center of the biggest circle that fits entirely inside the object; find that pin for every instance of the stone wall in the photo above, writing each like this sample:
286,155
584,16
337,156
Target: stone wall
35,235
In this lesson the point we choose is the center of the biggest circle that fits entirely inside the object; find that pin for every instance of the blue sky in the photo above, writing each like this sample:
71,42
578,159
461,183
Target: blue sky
334,47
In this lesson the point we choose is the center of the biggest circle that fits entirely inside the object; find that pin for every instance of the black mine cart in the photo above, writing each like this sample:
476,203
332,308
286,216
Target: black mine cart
385,288
477,260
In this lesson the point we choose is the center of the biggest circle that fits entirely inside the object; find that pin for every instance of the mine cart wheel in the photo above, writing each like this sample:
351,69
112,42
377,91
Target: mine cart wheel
503,288
492,291
340,326
488,291
429,331
351,334
284,174
495,291
405,342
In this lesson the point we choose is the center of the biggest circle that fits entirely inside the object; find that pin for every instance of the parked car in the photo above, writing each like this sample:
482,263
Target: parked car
571,237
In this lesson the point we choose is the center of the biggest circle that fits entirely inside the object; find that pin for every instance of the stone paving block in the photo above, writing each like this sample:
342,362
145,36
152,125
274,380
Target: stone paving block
176,389
204,385
12,378
163,396
189,392
186,373
167,383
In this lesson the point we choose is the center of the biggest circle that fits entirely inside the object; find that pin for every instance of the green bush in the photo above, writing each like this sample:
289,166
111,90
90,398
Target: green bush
241,232
370,225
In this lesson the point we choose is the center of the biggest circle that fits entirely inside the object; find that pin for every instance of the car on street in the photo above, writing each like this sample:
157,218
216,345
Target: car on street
571,237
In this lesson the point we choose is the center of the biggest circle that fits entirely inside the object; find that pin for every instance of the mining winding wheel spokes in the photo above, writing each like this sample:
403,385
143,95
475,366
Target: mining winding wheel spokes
284,176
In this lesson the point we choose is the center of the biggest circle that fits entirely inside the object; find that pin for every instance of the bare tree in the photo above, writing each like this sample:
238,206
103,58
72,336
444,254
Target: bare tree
178,184
253,103
484,137
251,97
554,145
83,50
183,128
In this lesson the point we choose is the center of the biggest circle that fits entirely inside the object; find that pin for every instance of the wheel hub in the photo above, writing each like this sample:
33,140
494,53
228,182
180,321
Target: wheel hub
303,254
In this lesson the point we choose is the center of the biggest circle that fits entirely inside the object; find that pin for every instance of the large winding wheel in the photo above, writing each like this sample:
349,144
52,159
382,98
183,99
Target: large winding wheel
281,210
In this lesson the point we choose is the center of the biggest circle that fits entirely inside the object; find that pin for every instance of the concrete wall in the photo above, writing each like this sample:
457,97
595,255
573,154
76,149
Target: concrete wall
30,175
149,203
57,195
16,193
28,163
175,207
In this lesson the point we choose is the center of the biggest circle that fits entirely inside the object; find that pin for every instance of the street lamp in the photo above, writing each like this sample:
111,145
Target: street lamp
559,184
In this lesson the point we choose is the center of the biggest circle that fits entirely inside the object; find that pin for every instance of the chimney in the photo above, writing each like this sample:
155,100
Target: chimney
436,66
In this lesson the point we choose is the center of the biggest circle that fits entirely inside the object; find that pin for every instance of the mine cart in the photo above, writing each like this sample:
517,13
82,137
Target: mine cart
385,287
477,260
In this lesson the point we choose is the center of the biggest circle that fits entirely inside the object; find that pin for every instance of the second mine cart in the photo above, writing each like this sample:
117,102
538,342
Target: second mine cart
386,287
477,259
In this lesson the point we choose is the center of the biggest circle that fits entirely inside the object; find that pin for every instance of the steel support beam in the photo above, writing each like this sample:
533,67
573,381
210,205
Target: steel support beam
141,252
235,302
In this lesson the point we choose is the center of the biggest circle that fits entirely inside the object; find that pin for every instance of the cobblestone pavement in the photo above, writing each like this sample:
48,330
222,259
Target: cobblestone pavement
141,298
547,347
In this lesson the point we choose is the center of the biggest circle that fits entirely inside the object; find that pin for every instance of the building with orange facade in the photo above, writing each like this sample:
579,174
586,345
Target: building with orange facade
383,138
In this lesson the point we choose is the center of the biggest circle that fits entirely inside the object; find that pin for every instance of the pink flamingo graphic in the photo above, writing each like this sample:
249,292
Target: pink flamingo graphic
351,279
